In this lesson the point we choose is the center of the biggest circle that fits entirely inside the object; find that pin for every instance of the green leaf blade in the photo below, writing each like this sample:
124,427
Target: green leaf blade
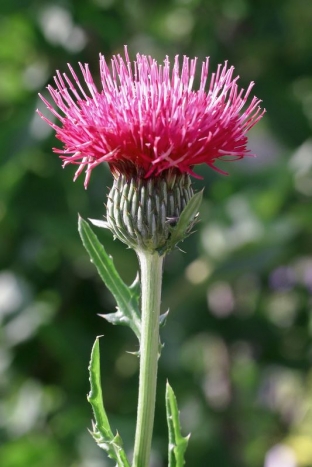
126,297
186,221
102,432
95,395
187,218
177,443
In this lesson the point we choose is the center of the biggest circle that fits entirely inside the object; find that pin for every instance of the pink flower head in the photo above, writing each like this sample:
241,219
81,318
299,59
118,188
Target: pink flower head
147,119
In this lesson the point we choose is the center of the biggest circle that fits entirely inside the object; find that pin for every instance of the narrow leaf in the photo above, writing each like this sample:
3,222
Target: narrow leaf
127,298
187,218
177,443
102,432
185,223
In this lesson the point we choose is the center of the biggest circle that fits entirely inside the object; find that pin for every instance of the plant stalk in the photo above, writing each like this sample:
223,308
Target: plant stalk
151,277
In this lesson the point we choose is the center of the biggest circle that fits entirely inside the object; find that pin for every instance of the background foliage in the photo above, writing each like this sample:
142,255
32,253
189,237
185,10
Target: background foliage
238,338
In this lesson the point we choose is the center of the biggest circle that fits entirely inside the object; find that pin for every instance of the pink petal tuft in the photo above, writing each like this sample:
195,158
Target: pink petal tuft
147,118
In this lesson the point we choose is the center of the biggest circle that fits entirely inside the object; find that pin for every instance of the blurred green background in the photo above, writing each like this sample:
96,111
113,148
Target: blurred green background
238,343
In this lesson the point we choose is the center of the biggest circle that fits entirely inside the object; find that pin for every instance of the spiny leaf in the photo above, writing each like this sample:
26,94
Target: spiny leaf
127,298
177,443
101,430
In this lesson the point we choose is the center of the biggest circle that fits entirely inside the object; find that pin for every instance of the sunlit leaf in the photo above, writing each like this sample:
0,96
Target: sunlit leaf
101,430
127,298
177,443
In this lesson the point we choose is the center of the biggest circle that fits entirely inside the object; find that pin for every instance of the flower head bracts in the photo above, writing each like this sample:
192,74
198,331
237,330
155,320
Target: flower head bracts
147,119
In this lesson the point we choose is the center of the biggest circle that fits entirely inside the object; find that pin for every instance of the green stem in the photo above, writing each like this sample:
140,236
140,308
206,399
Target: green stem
151,276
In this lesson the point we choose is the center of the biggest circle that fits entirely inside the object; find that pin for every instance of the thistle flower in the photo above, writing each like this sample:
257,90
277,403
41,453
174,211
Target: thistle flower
147,119
152,128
